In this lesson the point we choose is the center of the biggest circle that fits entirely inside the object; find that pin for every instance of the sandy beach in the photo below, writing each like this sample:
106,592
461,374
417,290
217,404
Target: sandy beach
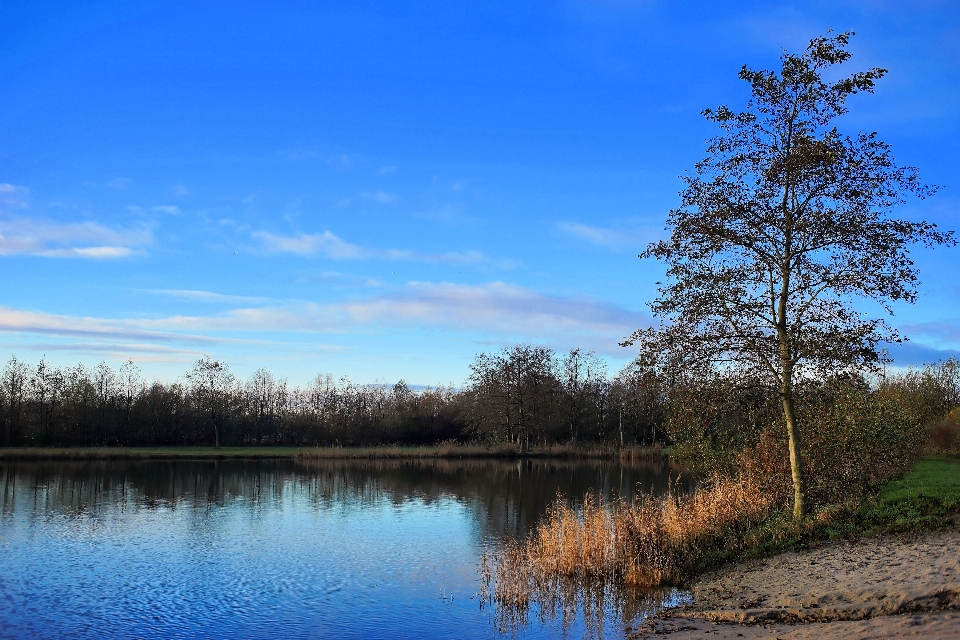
888,587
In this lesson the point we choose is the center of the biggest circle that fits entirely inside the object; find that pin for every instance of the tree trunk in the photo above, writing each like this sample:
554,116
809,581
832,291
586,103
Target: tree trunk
621,428
796,469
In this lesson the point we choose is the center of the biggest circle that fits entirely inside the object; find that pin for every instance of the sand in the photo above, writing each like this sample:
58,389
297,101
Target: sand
887,587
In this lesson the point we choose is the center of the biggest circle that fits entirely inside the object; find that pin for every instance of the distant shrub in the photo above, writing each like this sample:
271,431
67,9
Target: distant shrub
944,434
853,441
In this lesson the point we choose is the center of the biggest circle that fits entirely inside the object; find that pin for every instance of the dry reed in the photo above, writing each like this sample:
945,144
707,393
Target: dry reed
654,542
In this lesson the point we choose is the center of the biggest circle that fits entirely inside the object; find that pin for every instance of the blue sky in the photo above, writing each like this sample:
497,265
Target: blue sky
382,190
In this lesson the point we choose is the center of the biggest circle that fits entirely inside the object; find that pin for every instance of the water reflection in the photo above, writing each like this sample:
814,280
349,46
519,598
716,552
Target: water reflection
377,548
506,496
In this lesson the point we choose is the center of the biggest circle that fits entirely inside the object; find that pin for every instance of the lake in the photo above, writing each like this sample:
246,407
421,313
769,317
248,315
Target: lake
285,548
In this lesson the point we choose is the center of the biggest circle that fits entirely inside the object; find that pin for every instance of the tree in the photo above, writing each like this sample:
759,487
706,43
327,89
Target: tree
514,391
130,387
262,391
105,384
212,384
15,379
781,228
583,376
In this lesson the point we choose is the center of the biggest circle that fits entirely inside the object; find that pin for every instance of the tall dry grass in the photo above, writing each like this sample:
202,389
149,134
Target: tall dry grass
656,541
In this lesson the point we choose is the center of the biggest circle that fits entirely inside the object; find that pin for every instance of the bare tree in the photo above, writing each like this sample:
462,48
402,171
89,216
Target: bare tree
781,228
262,389
212,383
584,379
130,387
514,391
15,380
104,384
46,386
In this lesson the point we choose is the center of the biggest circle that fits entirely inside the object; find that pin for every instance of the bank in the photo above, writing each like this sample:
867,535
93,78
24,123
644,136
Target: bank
889,568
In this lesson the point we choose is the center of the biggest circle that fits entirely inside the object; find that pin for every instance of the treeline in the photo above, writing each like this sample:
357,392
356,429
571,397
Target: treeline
525,395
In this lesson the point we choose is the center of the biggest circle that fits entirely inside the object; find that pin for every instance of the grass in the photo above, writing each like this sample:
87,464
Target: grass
668,540
443,450
927,498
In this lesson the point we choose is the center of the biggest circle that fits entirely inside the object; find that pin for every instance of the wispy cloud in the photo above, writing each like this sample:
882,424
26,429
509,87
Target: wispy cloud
331,246
13,196
496,306
943,334
21,236
209,296
106,348
170,209
449,215
913,354
380,197
609,237
36,322
303,244
496,309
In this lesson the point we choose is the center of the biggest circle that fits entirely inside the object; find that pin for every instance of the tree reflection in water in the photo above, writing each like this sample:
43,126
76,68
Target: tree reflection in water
500,499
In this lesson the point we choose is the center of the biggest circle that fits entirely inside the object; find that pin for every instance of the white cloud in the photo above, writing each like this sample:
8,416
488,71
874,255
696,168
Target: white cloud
18,320
118,350
20,236
450,215
302,244
180,190
594,235
941,334
381,197
12,196
497,311
170,209
331,246
387,169
495,308
208,296
609,237
96,253
118,183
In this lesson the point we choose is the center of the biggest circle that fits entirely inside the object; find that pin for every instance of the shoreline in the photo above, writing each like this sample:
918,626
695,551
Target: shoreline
281,452
879,587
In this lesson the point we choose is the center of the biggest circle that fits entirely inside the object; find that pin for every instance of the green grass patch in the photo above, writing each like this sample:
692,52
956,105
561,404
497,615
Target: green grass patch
926,498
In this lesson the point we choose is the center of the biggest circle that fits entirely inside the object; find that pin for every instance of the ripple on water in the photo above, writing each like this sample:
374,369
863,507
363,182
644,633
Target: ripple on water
267,549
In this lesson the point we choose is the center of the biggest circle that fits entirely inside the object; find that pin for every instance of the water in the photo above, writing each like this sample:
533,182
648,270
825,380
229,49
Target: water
281,549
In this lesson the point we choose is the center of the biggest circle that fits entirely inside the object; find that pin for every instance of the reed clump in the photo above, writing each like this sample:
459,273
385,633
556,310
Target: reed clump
655,541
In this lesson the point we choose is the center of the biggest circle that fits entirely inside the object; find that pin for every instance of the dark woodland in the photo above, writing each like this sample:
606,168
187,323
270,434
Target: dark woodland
524,395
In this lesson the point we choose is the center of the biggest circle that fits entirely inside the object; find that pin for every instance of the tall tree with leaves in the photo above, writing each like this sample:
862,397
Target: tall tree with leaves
781,228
